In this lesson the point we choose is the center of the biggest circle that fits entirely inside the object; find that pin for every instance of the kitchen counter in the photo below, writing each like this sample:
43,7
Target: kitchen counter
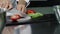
50,18
42,25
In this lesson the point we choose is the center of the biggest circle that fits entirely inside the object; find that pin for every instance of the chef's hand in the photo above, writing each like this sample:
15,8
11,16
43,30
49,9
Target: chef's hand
5,4
21,5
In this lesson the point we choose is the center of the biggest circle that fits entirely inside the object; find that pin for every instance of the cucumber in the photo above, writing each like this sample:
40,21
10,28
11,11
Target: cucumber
35,15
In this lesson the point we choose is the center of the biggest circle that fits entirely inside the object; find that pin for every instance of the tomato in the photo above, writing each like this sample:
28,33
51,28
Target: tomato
15,17
30,11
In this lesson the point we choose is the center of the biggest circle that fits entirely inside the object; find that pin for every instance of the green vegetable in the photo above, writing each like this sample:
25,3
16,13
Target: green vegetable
35,15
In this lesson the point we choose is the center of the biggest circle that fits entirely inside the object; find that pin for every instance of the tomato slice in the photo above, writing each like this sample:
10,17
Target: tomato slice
30,11
17,16
13,18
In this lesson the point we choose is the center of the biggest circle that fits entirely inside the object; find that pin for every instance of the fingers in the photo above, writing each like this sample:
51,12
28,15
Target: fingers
0,5
3,4
10,6
21,8
6,5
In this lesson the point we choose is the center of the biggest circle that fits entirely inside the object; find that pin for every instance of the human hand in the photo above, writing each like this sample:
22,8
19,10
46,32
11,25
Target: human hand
5,4
21,6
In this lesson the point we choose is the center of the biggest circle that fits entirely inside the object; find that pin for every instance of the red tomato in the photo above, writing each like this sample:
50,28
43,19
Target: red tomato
18,16
13,18
30,11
